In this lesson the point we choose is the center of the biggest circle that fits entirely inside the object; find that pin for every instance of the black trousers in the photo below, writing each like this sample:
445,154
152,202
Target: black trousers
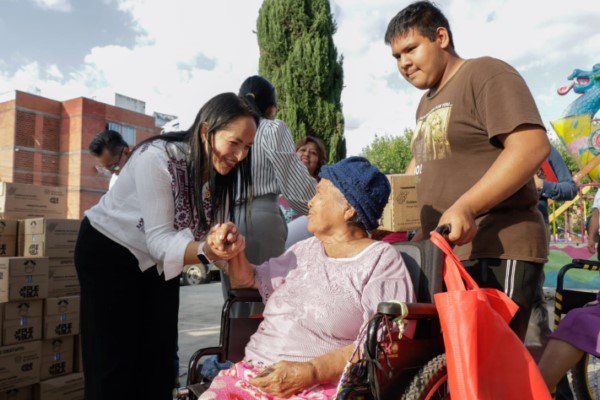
518,279
128,322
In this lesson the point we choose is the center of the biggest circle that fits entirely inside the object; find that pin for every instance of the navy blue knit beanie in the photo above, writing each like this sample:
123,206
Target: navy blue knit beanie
363,185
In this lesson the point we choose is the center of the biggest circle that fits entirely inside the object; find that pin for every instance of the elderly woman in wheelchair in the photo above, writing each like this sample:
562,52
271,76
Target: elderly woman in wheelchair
318,294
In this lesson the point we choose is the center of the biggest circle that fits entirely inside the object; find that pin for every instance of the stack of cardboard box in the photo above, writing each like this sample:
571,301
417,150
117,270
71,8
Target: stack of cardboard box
39,295
402,211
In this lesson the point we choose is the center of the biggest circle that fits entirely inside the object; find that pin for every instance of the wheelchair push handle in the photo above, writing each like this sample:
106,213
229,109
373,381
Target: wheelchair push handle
444,230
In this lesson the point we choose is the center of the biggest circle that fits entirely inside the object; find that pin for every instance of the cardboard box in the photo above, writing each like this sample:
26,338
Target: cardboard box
45,237
22,321
23,278
8,237
61,316
57,357
67,262
68,387
20,365
402,210
20,237
62,278
21,200
23,393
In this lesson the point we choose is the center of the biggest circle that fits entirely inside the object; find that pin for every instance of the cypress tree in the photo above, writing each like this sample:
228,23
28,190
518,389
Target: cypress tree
298,56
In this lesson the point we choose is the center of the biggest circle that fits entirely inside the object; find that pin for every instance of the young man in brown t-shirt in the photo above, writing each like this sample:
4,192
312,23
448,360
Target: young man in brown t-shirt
479,140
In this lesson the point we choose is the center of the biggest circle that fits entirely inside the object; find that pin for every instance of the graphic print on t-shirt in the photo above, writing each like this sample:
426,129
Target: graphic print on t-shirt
430,141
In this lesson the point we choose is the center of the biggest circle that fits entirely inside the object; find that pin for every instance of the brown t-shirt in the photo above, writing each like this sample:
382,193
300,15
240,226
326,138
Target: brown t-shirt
454,145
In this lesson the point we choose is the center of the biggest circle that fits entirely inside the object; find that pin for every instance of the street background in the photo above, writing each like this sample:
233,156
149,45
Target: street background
199,321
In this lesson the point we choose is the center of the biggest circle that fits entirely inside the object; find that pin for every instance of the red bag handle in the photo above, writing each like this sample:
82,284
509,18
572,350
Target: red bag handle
455,274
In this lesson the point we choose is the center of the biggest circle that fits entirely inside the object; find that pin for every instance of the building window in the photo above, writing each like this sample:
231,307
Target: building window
128,132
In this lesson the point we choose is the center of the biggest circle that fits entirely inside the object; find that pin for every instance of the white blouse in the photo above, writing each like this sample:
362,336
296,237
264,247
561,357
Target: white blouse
148,211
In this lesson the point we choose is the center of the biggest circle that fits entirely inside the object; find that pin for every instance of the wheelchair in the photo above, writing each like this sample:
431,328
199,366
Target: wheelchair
586,373
411,369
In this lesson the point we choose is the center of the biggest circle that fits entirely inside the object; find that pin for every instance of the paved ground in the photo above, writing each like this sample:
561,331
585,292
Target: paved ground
199,321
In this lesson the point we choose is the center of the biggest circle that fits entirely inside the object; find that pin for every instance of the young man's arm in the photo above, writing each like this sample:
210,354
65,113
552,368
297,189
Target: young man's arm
523,152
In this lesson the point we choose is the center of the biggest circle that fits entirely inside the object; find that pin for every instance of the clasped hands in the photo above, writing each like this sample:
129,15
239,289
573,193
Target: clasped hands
224,242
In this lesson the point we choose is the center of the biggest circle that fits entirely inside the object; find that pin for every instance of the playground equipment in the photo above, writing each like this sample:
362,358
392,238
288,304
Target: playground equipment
580,133
577,128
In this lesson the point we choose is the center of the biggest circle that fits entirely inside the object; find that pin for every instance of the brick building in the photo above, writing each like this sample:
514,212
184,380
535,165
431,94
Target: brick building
45,142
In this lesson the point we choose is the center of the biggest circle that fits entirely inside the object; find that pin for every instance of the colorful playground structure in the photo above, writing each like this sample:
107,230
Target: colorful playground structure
579,131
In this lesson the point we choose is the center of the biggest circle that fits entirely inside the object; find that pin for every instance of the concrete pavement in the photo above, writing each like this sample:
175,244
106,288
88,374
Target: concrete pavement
199,321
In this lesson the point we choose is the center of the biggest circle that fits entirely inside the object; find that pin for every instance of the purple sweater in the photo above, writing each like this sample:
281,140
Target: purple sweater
316,304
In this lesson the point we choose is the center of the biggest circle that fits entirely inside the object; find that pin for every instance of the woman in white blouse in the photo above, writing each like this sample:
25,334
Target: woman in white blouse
133,244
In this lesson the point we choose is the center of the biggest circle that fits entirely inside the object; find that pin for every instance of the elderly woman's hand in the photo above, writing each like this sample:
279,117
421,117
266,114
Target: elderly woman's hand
224,242
285,378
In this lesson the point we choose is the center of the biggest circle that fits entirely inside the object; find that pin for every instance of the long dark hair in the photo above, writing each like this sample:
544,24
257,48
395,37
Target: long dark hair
217,113
261,90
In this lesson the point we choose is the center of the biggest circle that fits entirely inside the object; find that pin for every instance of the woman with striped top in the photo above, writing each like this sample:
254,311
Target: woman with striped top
275,170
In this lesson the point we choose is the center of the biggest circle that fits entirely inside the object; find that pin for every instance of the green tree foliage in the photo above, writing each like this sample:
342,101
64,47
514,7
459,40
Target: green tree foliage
390,154
298,56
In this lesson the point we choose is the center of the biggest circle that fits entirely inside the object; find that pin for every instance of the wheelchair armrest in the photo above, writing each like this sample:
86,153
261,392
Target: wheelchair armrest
415,310
194,375
575,264
251,295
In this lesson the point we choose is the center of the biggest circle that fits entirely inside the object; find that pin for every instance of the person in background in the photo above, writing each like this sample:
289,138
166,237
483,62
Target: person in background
111,152
594,228
133,244
319,293
553,181
275,170
577,333
478,141
311,151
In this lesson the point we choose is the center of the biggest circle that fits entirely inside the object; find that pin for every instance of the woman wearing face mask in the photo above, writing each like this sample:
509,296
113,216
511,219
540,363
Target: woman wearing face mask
133,244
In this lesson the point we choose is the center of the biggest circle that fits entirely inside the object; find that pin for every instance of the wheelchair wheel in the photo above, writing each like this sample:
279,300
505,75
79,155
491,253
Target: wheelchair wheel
431,382
586,378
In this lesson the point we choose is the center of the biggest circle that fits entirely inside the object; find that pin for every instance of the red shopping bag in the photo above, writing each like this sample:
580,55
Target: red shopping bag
485,358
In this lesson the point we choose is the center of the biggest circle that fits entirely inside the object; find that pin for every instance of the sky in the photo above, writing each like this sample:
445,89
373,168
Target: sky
175,55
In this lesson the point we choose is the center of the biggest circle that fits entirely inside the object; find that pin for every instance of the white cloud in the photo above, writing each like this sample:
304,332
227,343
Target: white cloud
54,5
187,51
